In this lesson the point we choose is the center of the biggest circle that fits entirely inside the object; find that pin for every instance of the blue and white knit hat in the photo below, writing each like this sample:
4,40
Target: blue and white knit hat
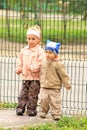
53,46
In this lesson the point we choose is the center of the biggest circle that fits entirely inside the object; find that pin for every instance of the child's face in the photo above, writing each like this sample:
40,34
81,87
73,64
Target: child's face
32,40
50,55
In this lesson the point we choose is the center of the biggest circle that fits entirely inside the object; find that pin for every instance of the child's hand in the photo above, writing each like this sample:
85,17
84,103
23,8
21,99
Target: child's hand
69,87
18,72
27,68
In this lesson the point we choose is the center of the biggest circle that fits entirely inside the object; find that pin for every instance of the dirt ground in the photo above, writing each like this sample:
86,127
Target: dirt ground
68,51
9,119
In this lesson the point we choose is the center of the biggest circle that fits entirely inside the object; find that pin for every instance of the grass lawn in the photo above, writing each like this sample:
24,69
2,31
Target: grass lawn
65,123
60,30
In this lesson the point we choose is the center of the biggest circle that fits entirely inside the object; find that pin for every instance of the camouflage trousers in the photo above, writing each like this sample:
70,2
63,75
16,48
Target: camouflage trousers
28,96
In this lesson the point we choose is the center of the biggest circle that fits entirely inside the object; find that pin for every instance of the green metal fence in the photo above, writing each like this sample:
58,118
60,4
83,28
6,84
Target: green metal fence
63,21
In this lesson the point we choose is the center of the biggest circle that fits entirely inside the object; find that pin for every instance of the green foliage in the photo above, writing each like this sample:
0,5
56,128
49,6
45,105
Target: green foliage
65,123
5,129
73,121
8,105
78,6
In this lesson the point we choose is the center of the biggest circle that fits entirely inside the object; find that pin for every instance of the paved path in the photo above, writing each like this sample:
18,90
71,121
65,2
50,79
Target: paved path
8,119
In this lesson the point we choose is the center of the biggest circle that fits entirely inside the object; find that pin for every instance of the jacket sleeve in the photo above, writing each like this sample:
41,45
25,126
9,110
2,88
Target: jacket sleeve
19,63
64,77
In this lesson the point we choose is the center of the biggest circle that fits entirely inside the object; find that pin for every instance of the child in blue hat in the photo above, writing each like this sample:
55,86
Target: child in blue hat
53,75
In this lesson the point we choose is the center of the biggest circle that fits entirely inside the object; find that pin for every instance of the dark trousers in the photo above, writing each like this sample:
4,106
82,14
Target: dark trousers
28,95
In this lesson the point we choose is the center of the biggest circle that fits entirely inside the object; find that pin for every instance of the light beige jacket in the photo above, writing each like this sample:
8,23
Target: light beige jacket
53,74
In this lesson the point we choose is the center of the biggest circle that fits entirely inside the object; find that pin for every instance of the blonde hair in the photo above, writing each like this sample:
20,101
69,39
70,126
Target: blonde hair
35,28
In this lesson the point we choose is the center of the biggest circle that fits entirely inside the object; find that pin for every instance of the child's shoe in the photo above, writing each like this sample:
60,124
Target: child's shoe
42,114
56,118
19,112
32,113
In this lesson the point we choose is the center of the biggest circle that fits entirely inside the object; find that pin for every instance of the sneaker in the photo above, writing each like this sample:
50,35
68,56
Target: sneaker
32,113
42,114
19,112
56,118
